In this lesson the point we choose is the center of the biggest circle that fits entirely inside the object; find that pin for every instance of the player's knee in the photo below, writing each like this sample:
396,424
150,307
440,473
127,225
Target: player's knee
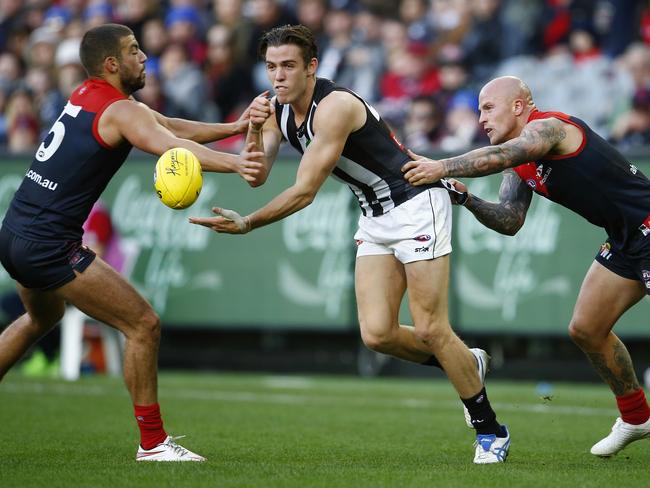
435,335
581,334
378,341
148,326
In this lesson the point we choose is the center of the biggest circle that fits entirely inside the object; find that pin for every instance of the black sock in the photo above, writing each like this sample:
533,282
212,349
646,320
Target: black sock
433,361
484,419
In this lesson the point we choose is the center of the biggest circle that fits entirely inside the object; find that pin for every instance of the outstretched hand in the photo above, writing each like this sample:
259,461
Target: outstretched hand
260,109
422,171
256,113
227,221
250,165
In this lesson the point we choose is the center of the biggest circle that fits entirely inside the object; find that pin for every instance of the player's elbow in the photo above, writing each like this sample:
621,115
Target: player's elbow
304,196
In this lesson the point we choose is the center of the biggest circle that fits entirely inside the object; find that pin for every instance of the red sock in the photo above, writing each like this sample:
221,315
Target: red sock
151,426
634,407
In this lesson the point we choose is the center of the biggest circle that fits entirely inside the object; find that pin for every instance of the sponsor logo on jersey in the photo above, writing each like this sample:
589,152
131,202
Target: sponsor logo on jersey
531,183
39,180
633,169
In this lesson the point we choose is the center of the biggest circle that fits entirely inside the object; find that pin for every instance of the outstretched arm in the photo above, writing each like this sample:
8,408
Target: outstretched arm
137,123
538,139
507,216
336,117
203,132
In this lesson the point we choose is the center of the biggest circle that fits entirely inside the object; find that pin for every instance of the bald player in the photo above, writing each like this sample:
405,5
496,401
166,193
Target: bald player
559,157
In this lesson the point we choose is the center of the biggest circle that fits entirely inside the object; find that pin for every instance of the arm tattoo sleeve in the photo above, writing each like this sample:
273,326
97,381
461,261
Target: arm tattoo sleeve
536,140
507,216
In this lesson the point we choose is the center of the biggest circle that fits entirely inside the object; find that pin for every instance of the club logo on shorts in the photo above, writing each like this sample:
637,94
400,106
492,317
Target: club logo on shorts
645,274
422,238
358,242
605,251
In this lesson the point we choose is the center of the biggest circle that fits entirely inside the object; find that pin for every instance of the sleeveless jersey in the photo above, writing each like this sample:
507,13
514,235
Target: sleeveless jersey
69,171
372,157
596,182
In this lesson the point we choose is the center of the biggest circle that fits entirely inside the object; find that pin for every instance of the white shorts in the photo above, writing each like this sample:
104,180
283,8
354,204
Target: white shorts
416,230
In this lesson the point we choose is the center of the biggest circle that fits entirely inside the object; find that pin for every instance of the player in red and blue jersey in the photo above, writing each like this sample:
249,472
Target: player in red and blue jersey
559,157
40,238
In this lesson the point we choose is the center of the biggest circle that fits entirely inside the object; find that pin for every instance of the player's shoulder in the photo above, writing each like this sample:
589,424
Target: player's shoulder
342,102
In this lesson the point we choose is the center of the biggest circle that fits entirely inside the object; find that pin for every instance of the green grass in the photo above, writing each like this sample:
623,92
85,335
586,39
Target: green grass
268,431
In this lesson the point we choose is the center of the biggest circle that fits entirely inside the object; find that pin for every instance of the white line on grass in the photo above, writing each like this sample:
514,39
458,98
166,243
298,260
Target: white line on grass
297,399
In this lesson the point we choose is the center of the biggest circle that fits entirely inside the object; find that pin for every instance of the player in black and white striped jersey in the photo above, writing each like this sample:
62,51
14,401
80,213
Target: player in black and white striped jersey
404,234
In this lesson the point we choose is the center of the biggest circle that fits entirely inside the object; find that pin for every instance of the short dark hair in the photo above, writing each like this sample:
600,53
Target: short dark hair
298,35
100,43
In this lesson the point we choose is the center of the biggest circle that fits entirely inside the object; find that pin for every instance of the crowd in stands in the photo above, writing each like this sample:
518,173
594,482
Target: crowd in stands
420,62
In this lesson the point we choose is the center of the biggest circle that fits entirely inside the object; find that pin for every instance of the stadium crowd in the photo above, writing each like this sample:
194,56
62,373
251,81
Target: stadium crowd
420,62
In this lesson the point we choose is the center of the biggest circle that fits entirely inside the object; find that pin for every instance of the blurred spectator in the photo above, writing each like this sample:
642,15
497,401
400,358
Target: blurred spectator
230,82
481,46
9,10
582,43
97,13
413,13
636,62
134,13
311,13
23,129
183,25
42,47
422,127
48,101
454,79
350,60
450,20
152,93
230,14
154,40
10,71
70,72
410,74
366,61
519,31
632,128
394,37
184,86
461,127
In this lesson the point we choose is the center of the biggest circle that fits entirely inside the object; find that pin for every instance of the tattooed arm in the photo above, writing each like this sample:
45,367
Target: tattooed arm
537,139
507,216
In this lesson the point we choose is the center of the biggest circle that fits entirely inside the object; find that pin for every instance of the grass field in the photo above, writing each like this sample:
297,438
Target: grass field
270,431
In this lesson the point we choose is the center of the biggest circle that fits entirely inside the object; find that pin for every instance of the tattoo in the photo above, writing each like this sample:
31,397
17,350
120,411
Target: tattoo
536,140
618,372
509,214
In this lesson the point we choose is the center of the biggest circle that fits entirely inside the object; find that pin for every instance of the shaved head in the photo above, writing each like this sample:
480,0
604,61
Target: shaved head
505,104
509,88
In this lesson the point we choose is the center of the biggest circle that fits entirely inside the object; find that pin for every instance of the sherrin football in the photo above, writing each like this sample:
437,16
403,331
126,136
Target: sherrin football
178,179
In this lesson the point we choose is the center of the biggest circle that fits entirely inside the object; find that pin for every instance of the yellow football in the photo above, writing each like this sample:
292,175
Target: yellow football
178,179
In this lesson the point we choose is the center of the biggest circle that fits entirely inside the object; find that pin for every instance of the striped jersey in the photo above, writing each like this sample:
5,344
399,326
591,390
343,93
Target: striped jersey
70,169
596,182
372,157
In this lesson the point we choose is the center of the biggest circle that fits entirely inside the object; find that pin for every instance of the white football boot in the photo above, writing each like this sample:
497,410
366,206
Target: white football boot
491,449
483,366
621,435
167,450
